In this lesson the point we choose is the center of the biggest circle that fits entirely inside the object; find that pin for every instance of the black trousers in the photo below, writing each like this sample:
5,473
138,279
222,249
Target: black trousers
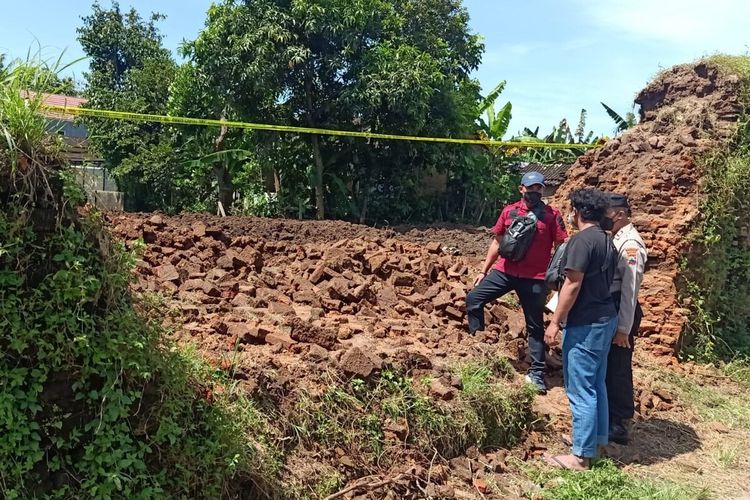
531,294
620,373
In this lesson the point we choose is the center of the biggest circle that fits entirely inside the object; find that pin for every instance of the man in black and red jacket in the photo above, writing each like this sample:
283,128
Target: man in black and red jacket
525,276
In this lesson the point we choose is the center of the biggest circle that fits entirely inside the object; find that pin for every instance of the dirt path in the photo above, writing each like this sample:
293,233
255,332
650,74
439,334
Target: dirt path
692,428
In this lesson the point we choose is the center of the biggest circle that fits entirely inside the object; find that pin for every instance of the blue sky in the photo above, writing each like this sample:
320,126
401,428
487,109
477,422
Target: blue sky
557,56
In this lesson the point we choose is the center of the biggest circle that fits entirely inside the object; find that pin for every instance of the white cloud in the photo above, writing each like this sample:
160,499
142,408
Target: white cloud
709,25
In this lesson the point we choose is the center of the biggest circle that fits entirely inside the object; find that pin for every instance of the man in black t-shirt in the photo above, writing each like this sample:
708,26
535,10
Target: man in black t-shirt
587,311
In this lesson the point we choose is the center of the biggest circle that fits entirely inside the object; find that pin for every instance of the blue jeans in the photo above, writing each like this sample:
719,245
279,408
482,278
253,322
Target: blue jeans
585,349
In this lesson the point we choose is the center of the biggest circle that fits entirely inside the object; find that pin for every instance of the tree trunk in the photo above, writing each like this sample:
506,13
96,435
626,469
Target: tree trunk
463,206
320,198
363,212
276,182
221,171
226,187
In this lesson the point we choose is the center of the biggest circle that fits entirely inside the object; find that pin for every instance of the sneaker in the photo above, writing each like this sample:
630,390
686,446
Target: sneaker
538,382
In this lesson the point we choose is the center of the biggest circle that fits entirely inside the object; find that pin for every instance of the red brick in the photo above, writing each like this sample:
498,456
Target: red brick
167,272
454,313
279,338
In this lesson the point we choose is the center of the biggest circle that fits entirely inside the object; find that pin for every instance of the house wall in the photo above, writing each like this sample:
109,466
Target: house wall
68,128
100,187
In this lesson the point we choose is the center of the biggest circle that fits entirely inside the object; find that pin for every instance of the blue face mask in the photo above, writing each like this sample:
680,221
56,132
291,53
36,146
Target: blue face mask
607,224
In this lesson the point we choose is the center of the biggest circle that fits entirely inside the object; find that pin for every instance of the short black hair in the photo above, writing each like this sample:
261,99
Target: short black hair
591,203
617,200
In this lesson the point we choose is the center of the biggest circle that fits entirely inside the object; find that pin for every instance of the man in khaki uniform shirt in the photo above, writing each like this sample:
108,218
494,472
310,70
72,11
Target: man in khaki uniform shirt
627,282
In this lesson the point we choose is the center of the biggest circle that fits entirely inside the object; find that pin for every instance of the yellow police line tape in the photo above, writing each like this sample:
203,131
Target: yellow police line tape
181,120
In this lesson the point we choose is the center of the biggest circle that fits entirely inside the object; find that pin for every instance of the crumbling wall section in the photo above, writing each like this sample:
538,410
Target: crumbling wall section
686,112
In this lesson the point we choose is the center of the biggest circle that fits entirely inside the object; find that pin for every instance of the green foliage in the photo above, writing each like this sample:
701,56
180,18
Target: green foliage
561,134
716,275
42,75
129,70
496,124
606,482
23,131
391,66
388,66
92,402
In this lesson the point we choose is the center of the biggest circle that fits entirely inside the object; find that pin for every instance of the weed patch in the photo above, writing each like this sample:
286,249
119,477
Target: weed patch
361,416
727,405
606,482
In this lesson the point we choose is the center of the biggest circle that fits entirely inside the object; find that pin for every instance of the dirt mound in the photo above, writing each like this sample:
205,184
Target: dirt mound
470,241
455,239
686,112
283,316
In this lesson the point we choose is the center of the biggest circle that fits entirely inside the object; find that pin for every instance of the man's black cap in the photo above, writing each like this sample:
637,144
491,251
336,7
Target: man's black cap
618,200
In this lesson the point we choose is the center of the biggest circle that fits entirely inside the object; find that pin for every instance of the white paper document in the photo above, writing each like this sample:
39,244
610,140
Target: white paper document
552,304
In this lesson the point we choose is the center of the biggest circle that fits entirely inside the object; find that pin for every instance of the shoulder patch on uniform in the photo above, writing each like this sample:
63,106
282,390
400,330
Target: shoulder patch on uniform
632,254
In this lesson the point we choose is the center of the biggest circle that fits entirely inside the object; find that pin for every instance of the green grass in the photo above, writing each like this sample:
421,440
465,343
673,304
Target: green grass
734,65
738,370
606,482
712,403
726,456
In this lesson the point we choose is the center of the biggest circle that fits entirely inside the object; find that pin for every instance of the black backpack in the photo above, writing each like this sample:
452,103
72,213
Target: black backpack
518,237
555,274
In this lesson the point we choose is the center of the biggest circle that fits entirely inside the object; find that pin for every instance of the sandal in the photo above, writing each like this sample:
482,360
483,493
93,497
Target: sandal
555,461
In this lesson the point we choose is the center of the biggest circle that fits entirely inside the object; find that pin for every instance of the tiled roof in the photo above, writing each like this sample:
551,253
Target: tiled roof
58,100
553,174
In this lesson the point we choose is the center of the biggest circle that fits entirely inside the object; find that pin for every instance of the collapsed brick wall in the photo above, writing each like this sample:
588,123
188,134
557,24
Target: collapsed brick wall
686,112
304,298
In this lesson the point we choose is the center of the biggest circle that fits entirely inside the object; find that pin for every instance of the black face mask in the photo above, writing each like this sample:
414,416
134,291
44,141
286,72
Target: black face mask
532,198
607,224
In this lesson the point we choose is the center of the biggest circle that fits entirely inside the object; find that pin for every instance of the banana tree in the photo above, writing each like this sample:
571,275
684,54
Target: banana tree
621,123
561,134
495,125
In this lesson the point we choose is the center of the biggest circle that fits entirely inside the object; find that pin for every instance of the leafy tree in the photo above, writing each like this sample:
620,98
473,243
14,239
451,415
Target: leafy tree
393,66
130,70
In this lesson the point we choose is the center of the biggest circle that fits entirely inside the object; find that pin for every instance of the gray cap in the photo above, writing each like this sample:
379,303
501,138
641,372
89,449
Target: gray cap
531,178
